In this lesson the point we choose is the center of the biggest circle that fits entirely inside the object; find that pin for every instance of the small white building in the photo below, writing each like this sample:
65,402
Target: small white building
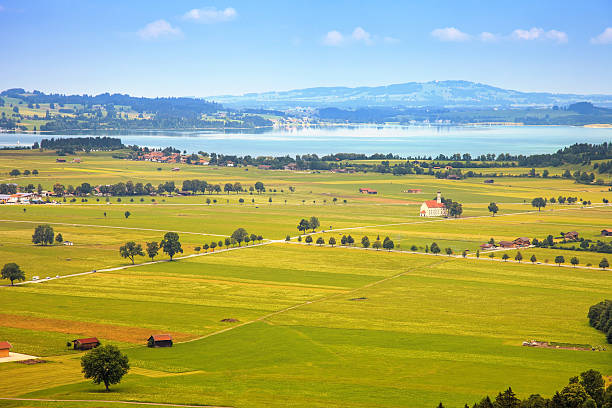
69,243
434,208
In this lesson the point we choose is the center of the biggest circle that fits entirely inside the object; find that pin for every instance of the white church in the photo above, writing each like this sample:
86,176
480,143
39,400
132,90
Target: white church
434,208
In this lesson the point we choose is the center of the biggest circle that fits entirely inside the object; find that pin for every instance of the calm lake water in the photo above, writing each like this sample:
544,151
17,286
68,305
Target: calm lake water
402,140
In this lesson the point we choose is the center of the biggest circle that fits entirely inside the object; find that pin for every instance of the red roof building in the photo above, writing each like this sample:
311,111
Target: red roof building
86,344
5,348
160,340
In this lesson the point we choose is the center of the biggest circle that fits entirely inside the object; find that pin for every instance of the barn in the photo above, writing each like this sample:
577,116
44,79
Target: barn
5,348
160,340
86,344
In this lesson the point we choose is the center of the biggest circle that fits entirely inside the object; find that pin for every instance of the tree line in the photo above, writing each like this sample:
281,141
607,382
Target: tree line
600,318
584,391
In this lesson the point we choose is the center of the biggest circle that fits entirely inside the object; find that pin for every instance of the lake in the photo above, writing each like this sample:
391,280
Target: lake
401,140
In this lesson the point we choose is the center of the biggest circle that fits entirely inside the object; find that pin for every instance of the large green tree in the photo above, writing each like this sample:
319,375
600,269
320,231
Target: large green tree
43,235
12,272
493,208
105,364
313,223
239,235
171,244
152,249
130,250
538,202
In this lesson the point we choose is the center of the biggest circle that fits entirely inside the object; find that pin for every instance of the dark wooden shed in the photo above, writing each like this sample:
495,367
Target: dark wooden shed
160,340
86,344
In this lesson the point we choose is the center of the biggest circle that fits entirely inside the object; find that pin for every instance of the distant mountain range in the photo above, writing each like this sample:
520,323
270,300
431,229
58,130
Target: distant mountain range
448,94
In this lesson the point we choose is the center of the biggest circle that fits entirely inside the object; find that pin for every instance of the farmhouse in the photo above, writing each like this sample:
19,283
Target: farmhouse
58,160
5,348
571,236
160,340
487,246
522,242
86,344
434,208
367,191
606,232
507,244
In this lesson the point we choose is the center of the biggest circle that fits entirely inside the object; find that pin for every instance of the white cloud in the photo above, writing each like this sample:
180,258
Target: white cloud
359,34
531,34
558,36
209,15
158,29
486,36
603,38
537,33
333,38
390,40
450,34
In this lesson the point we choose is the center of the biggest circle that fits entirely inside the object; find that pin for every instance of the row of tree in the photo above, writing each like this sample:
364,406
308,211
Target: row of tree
584,391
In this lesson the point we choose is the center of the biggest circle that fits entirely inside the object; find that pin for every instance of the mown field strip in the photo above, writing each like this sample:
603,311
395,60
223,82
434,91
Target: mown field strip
118,268
310,302
113,227
152,404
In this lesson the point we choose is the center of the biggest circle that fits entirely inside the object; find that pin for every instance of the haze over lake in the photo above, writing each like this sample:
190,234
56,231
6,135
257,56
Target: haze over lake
401,140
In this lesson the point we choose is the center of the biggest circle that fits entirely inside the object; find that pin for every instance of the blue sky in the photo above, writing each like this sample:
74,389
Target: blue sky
200,48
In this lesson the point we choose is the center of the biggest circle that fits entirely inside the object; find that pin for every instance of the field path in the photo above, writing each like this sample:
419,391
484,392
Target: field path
114,227
155,404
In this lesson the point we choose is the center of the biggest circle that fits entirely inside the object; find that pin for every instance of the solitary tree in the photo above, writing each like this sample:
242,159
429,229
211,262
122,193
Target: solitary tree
574,261
538,202
127,214
43,235
435,249
604,263
105,364
152,249
493,208
12,272
533,259
58,238
314,223
518,257
239,235
130,250
365,241
171,244
388,244
559,259
332,241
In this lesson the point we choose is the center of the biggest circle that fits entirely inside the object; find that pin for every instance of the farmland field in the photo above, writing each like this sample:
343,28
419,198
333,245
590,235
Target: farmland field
277,323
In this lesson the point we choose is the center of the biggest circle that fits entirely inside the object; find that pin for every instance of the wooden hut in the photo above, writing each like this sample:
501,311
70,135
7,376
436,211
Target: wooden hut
5,348
86,344
160,340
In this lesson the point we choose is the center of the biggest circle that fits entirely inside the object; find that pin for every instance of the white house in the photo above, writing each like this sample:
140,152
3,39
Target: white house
434,208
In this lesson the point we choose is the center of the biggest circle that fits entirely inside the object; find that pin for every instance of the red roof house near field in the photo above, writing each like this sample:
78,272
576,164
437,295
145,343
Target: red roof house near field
86,344
160,340
606,232
367,191
5,348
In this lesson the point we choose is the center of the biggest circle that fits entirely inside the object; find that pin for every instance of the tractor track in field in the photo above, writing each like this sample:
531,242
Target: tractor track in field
310,302
152,404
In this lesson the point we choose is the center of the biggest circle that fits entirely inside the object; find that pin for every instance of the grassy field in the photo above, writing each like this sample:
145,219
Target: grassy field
311,326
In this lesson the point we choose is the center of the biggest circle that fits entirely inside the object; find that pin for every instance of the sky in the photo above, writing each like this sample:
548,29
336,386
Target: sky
203,48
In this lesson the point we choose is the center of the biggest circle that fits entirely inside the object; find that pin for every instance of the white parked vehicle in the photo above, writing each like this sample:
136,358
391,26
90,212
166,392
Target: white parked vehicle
35,278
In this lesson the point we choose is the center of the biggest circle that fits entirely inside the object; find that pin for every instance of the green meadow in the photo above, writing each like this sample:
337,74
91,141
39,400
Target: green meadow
288,324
